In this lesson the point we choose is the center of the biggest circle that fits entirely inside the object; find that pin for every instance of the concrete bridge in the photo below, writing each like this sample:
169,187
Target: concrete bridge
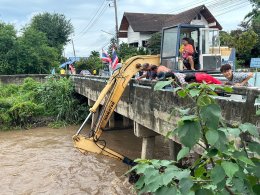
149,111
18,79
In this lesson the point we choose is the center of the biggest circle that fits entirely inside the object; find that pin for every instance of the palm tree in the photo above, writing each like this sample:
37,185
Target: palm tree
255,13
94,53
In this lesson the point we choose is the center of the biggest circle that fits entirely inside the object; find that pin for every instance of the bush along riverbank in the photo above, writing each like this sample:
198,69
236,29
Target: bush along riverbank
53,103
229,161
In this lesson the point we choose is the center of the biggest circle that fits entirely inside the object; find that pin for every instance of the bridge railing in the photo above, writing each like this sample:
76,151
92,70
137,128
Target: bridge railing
241,106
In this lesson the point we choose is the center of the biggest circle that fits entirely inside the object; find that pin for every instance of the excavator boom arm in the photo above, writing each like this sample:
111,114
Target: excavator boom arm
114,90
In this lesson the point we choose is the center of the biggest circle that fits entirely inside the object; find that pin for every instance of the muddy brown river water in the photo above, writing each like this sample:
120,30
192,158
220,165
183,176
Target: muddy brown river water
44,161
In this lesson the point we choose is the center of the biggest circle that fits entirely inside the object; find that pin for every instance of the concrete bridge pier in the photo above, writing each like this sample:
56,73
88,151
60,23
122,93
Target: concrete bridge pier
127,122
174,149
148,137
94,115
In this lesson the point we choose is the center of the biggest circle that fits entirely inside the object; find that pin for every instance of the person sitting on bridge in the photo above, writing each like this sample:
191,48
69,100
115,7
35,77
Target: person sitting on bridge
200,78
187,52
235,78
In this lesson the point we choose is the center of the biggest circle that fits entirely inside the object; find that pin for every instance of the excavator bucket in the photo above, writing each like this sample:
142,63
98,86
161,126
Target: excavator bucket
86,145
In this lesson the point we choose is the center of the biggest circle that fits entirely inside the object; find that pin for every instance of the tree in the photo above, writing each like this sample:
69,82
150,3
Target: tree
125,51
91,63
95,53
154,43
225,39
256,28
244,41
34,55
56,27
252,21
112,44
255,13
8,44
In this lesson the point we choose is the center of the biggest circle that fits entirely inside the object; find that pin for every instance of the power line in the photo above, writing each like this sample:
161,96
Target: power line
225,5
188,7
100,11
233,8
218,5
97,18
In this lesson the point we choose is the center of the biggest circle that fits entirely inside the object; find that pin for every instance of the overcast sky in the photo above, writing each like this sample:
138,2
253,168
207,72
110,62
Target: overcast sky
91,17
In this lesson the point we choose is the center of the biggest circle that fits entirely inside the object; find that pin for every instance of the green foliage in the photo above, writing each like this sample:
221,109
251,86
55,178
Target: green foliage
157,176
21,105
125,51
161,85
154,43
55,26
22,112
8,44
246,42
34,54
39,47
225,39
255,11
223,168
91,63
112,44
57,96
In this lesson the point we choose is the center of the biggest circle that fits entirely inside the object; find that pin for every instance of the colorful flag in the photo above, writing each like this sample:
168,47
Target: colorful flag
105,57
114,59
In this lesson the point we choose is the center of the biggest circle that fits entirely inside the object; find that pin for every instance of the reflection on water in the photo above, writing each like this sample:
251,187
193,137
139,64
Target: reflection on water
44,161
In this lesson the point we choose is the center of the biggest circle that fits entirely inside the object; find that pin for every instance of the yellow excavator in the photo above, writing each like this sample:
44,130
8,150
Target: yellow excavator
113,90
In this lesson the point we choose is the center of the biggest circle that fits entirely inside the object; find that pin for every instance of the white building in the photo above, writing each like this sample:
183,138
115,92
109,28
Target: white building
138,27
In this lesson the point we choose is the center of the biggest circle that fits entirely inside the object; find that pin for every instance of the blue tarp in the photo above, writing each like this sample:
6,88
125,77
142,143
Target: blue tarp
66,64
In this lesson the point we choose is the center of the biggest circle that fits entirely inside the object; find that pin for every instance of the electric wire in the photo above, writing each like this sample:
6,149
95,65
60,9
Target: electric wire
217,8
99,8
98,14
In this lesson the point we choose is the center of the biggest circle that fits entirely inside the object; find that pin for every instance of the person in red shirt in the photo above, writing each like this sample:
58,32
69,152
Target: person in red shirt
187,52
201,77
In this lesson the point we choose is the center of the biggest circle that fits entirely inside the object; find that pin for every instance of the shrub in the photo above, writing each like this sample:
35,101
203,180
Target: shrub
223,168
55,98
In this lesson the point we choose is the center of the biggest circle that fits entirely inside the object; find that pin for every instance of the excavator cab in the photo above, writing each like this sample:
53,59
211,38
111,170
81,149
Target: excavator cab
205,42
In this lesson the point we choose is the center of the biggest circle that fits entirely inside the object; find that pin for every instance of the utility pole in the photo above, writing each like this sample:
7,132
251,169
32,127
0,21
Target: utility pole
73,48
117,33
